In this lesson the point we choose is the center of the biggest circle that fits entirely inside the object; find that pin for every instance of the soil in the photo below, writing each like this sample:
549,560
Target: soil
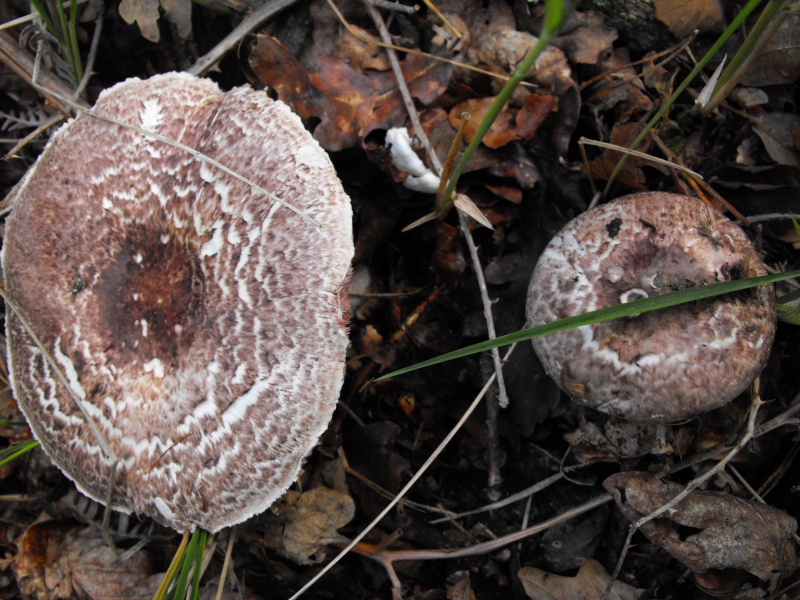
415,295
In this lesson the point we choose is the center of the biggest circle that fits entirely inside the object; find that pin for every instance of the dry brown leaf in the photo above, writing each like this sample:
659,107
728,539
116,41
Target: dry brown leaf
585,44
618,440
308,522
511,124
730,533
41,565
179,13
467,206
348,103
99,573
373,345
631,174
775,131
358,54
56,560
448,260
568,545
461,589
619,76
779,62
588,584
657,77
684,16
501,49
145,13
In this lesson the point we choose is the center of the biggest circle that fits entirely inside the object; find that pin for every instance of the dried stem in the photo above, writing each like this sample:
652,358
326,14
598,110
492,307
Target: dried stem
422,470
401,85
234,38
493,453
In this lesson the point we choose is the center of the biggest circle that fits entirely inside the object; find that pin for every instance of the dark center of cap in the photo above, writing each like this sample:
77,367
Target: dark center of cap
150,296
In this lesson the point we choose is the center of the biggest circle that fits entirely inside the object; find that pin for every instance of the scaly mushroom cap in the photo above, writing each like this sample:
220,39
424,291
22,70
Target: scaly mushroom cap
659,366
200,323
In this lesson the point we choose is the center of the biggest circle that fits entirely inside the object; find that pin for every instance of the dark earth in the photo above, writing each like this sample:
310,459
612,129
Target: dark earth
415,295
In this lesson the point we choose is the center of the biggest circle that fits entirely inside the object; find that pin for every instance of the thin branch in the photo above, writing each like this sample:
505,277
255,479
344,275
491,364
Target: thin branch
434,455
401,85
268,10
744,439
181,146
91,57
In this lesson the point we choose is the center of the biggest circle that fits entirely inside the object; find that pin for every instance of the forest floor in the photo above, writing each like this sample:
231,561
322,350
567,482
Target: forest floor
414,295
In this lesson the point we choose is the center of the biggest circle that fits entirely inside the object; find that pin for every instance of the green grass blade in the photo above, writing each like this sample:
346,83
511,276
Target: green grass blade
554,15
198,564
72,35
629,309
12,452
789,314
790,297
750,45
45,17
186,566
737,21
169,576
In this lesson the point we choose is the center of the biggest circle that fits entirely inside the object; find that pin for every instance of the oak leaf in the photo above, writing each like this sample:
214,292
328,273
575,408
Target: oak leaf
728,532
145,13
588,584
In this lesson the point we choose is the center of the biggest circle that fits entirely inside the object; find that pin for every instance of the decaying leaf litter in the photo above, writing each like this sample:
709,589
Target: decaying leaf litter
414,295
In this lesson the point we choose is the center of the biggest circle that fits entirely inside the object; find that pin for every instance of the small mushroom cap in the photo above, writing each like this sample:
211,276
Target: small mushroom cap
659,366
201,324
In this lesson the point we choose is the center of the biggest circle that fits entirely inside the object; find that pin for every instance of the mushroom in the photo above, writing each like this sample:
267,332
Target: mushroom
199,323
659,366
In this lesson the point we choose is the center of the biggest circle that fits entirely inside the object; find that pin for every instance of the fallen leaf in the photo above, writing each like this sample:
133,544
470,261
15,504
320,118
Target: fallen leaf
378,351
618,76
501,49
656,77
55,559
100,573
618,440
461,589
41,565
307,522
349,104
179,13
586,43
468,207
729,532
360,55
568,545
684,16
588,584
631,174
779,61
511,124
775,131
145,13
448,260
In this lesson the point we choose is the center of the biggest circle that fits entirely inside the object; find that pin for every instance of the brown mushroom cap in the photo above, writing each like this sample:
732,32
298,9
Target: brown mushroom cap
660,366
200,322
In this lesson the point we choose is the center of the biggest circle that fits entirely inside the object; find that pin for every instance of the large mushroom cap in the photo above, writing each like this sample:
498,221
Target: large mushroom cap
199,322
661,366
